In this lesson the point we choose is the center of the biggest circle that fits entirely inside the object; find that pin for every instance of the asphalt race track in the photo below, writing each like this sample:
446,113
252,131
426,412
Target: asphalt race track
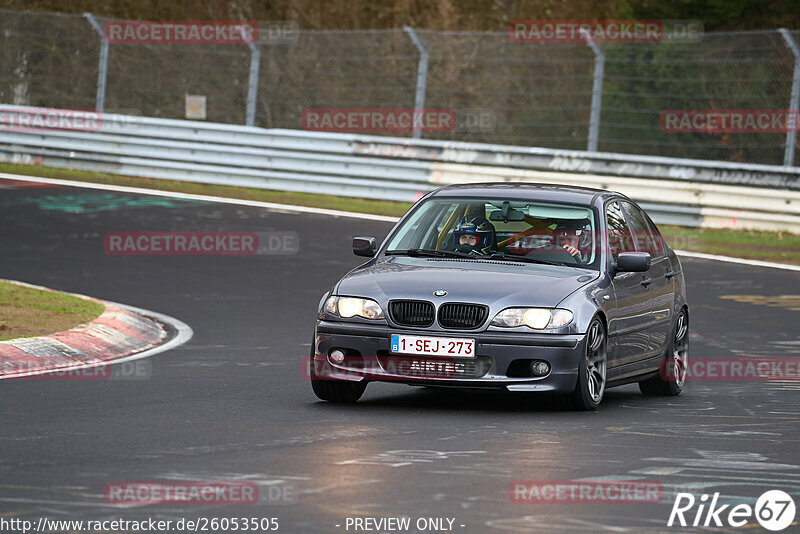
233,405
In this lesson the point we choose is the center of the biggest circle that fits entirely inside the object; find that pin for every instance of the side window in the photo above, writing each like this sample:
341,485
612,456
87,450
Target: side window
647,238
659,246
620,238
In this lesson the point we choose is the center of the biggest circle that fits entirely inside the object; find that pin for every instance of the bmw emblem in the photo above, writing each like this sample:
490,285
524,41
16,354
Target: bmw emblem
440,293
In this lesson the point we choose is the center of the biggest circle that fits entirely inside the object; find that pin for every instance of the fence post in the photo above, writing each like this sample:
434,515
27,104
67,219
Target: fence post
102,71
597,91
794,102
422,80
252,90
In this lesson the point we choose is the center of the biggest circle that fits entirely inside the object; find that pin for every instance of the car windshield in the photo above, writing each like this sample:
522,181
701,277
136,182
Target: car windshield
500,229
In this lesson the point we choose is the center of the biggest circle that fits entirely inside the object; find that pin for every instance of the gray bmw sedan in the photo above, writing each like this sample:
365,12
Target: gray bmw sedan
522,287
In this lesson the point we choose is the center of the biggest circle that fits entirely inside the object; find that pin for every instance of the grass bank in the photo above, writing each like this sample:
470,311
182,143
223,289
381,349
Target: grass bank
29,312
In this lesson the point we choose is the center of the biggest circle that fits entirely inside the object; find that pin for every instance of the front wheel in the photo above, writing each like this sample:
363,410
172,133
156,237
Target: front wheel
338,390
591,384
672,373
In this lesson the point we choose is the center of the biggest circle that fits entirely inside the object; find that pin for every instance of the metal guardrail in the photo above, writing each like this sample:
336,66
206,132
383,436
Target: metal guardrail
675,191
579,95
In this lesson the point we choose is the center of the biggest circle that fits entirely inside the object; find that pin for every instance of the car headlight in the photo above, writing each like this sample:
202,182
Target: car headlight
347,307
536,318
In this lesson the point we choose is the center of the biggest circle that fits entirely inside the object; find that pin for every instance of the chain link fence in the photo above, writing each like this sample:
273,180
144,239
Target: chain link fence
500,91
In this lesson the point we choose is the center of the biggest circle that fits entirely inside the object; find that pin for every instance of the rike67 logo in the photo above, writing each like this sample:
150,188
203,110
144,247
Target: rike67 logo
774,510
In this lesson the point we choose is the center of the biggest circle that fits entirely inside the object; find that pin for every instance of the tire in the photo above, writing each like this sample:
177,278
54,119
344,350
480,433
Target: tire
591,383
672,373
338,391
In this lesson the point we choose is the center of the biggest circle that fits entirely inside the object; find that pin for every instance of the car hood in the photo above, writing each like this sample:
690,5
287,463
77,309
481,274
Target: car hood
497,284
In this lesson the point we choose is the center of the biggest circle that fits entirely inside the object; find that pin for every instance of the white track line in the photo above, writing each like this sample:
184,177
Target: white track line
753,263
321,211
185,333
205,198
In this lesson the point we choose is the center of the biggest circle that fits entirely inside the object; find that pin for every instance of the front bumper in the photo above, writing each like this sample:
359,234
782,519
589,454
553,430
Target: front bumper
496,365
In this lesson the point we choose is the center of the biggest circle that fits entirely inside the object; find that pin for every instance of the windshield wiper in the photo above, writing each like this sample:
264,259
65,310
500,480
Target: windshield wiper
500,256
417,252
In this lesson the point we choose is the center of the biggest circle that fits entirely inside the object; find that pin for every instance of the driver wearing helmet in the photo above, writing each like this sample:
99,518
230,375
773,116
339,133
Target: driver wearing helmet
474,235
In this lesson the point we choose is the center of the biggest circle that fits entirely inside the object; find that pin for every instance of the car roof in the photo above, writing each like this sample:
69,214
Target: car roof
541,192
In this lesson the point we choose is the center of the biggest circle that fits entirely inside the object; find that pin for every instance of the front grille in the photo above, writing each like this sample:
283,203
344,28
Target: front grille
411,312
456,315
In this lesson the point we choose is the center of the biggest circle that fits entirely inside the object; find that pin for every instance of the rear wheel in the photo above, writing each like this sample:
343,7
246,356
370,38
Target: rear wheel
591,384
672,373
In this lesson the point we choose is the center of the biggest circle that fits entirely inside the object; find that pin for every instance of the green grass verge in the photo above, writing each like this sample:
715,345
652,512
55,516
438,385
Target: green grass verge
781,247
769,246
29,312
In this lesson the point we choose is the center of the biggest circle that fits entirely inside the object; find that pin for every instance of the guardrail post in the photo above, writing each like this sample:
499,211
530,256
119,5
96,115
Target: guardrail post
794,102
252,90
597,92
102,71
422,80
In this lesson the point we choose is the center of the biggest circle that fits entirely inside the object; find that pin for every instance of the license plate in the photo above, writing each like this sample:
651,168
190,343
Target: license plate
452,347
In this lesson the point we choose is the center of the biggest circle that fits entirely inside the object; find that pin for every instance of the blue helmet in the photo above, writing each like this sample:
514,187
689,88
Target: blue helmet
481,235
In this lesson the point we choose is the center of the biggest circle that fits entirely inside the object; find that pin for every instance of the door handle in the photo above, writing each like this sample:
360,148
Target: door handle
669,274
646,281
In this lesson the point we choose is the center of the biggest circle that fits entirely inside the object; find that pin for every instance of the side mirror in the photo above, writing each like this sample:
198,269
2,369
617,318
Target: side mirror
635,262
364,246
